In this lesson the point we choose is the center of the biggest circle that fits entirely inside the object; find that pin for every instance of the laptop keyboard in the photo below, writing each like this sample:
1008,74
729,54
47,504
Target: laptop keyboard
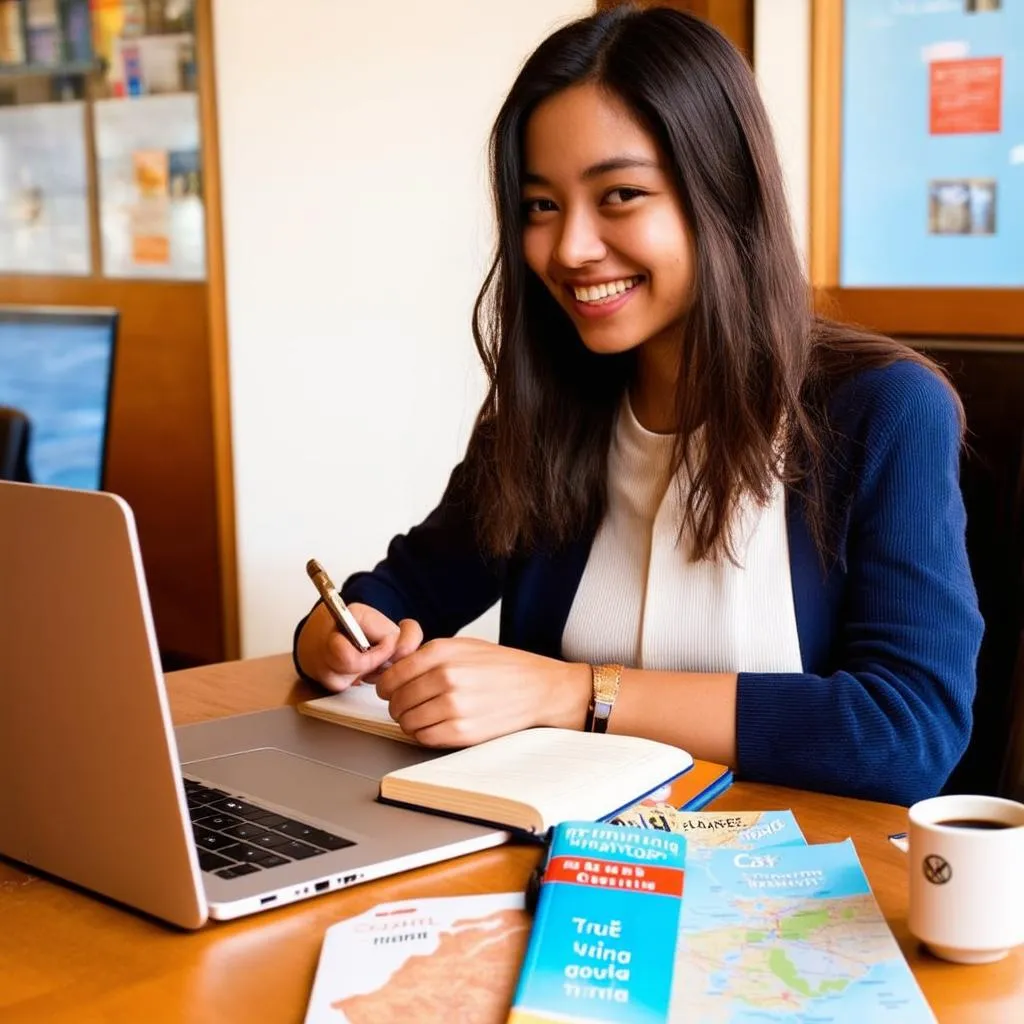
235,837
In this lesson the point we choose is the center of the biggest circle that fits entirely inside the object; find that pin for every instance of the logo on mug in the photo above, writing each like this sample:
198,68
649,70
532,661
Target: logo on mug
936,869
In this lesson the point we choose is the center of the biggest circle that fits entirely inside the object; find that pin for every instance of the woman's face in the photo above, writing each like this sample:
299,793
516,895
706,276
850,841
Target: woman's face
604,227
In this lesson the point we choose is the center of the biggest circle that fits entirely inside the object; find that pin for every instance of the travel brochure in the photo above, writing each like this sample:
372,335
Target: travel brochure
771,931
786,934
609,896
432,961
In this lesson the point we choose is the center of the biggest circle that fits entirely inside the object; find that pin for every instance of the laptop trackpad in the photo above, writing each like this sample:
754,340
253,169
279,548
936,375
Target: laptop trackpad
276,776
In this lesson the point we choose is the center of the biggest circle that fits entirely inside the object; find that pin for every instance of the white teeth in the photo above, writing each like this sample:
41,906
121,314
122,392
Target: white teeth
608,290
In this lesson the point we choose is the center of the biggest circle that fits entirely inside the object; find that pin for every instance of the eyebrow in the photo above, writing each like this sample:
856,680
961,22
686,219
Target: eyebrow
616,163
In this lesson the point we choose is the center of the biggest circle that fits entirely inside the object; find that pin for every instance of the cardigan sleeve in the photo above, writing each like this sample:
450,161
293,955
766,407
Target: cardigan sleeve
893,717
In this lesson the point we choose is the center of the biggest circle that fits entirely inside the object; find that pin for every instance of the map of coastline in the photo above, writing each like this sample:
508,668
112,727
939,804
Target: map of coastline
435,961
789,934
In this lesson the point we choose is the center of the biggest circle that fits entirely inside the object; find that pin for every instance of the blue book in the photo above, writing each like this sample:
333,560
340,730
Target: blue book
604,934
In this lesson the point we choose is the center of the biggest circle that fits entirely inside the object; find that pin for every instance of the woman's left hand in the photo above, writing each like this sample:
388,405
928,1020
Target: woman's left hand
457,692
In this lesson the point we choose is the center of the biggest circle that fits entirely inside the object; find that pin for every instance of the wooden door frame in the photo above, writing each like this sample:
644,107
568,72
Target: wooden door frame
931,312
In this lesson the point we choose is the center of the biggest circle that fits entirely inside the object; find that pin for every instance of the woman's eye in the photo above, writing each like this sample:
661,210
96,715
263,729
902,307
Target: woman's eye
535,206
618,196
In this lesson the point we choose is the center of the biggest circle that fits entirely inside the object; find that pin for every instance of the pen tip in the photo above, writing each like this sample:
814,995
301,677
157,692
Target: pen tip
313,567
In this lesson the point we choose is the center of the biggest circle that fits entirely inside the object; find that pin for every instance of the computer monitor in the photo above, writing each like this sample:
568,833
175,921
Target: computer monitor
56,366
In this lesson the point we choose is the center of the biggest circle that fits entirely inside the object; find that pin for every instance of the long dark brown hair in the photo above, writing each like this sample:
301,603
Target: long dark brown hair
758,364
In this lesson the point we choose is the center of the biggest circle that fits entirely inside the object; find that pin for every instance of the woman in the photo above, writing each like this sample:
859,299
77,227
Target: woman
678,467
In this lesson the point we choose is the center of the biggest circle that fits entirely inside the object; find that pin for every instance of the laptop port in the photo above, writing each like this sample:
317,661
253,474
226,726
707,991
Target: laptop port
348,878
267,899
320,886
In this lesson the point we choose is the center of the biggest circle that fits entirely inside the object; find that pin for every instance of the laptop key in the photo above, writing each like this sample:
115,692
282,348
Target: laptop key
237,871
217,821
295,829
267,819
328,840
300,851
229,805
270,840
212,861
246,830
246,853
271,860
212,792
205,839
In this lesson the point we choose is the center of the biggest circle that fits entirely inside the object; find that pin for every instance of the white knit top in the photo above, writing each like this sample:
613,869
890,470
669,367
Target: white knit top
643,603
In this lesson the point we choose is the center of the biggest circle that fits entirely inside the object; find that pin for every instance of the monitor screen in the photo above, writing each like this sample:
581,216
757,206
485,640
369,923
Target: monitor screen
56,367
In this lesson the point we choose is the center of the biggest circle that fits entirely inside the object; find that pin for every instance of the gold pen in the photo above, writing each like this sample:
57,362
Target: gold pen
345,620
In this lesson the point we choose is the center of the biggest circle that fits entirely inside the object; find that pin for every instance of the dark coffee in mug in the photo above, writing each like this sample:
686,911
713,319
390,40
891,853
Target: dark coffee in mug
976,823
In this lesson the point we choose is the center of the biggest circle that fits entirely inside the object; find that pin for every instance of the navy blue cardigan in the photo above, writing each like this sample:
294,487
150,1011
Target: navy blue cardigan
889,632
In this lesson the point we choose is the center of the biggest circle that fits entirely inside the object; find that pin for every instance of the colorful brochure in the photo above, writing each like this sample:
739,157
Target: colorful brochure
789,934
707,831
604,934
431,961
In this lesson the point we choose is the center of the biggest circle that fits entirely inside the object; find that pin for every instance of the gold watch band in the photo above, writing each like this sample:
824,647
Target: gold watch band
606,680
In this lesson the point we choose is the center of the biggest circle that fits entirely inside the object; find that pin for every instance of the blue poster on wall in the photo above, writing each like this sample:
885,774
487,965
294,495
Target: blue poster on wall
932,178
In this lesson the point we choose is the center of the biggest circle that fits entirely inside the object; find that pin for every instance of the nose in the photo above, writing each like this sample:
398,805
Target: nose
579,241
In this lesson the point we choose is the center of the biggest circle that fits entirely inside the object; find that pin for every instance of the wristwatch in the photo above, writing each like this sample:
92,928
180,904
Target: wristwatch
606,689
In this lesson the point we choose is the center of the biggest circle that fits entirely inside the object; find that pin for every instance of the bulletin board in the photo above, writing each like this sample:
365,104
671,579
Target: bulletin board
918,164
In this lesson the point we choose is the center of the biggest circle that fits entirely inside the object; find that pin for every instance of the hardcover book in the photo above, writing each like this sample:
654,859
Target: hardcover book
532,780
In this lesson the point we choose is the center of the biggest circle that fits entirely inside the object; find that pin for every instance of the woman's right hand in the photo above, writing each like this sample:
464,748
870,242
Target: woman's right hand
326,656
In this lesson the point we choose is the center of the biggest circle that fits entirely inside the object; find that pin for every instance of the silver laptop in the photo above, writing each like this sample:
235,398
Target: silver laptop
217,820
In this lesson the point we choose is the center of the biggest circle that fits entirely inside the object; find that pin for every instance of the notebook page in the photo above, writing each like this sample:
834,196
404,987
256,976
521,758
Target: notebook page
359,701
560,772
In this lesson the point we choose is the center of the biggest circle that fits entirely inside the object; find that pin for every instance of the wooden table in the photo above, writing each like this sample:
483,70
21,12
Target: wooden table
67,956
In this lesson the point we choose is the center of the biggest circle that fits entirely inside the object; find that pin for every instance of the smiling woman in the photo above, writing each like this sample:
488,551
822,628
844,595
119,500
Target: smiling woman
604,226
712,517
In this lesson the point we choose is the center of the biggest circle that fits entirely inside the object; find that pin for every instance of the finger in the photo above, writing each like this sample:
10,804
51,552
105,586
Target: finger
456,731
421,690
376,625
336,682
423,713
344,659
426,659
410,637
449,733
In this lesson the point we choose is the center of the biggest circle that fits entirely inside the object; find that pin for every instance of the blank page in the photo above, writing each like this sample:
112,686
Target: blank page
359,701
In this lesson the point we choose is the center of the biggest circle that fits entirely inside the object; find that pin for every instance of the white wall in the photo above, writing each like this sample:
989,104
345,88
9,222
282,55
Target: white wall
782,60
357,231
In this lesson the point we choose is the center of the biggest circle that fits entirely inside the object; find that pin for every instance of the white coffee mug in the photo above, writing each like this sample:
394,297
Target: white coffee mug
966,859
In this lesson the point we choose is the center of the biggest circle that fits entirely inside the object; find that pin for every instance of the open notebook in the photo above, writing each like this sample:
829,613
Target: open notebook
358,707
532,780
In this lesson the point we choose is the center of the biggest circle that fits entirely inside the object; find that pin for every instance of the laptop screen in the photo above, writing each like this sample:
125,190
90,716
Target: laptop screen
56,367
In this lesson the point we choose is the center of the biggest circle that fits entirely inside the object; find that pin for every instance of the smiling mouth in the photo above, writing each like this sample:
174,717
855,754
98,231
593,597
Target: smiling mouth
600,294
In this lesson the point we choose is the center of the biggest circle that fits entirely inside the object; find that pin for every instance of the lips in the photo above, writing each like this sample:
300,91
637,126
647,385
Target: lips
603,291
608,298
